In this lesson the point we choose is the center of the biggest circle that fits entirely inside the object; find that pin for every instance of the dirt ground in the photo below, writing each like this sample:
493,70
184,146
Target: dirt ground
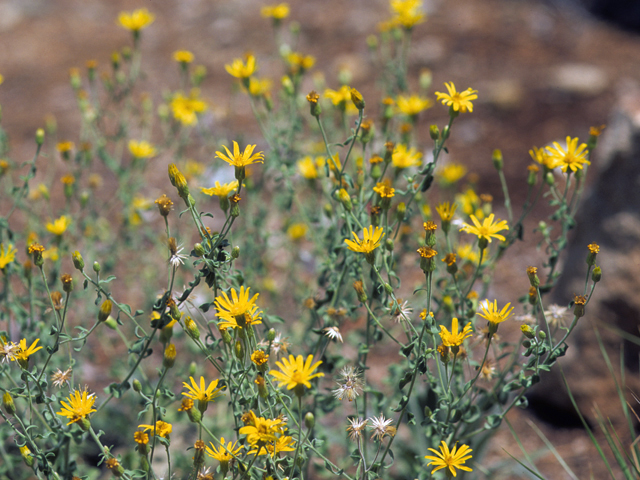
542,74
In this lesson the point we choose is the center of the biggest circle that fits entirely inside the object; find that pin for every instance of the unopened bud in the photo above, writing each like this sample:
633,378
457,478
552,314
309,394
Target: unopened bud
309,420
345,199
78,261
105,311
594,248
137,386
199,249
192,328
527,331
239,350
170,354
358,286
235,252
356,98
96,267
533,277
7,403
271,335
498,162
67,282
434,132
596,275
40,136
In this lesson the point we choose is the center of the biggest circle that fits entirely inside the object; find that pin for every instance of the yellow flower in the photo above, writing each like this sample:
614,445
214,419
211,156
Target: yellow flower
184,109
59,225
543,158
452,459
277,12
371,240
260,430
459,101
452,172
299,62
282,444
162,429
237,311
183,56
259,357
341,98
384,189
22,353
454,338
296,373
491,313
466,252
573,157
224,454
80,405
64,147
141,438
221,191
446,211
487,229
259,86
470,203
403,157
307,168
408,13
296,231
243,159
68,179
240,69
1,79
7,256
141,149
136,20
413,105
200,393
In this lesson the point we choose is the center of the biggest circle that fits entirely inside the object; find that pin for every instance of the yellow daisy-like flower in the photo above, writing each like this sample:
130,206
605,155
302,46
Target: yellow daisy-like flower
452,172
573,157
371,240
221,191
202,393
7,256
277,12
22,353
543,158
491,313
339,97
184,109
454,338
224,454
59,225
307,168
65,147
450,459
384,190
446,211
80,405
238,311
163,429
136,20
260,430
487,229
408,13
296,231
183,56
259,87
403,157
141,438
282,444
413,105
243,159
141,149
295,373
459,101
298,62
240,69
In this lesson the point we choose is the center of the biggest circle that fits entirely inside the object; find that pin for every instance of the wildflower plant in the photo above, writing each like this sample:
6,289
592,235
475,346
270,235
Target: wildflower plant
249,304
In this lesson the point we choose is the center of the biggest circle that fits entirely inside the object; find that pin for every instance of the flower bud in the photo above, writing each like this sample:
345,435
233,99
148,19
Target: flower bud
579,303
192,369
527,331
111,323
434,132
96,267
533,277
542,335
314,106
39,136
533,295
594,248
170,354
235,252
356,98
226,337
199,249
192,328
526,343
137,386
105,311
239,350
345,199
498,162
27,457
78,261
309,420
164,205
596,275
548,179
67,282
389,244
358,286
7,403
388,288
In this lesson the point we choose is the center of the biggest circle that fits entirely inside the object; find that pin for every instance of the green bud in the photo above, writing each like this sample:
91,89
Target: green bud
309,420
192,369
239,350
235,252
526,343
388,244
192,328
111,323
548,178
105,311
169,358
199,249
271,335
527,331
434,132
542,334
388,288
498,162
7,403
137,386
596,275
96,267
40,136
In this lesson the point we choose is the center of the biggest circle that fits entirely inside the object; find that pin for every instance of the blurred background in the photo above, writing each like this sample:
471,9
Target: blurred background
543,70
